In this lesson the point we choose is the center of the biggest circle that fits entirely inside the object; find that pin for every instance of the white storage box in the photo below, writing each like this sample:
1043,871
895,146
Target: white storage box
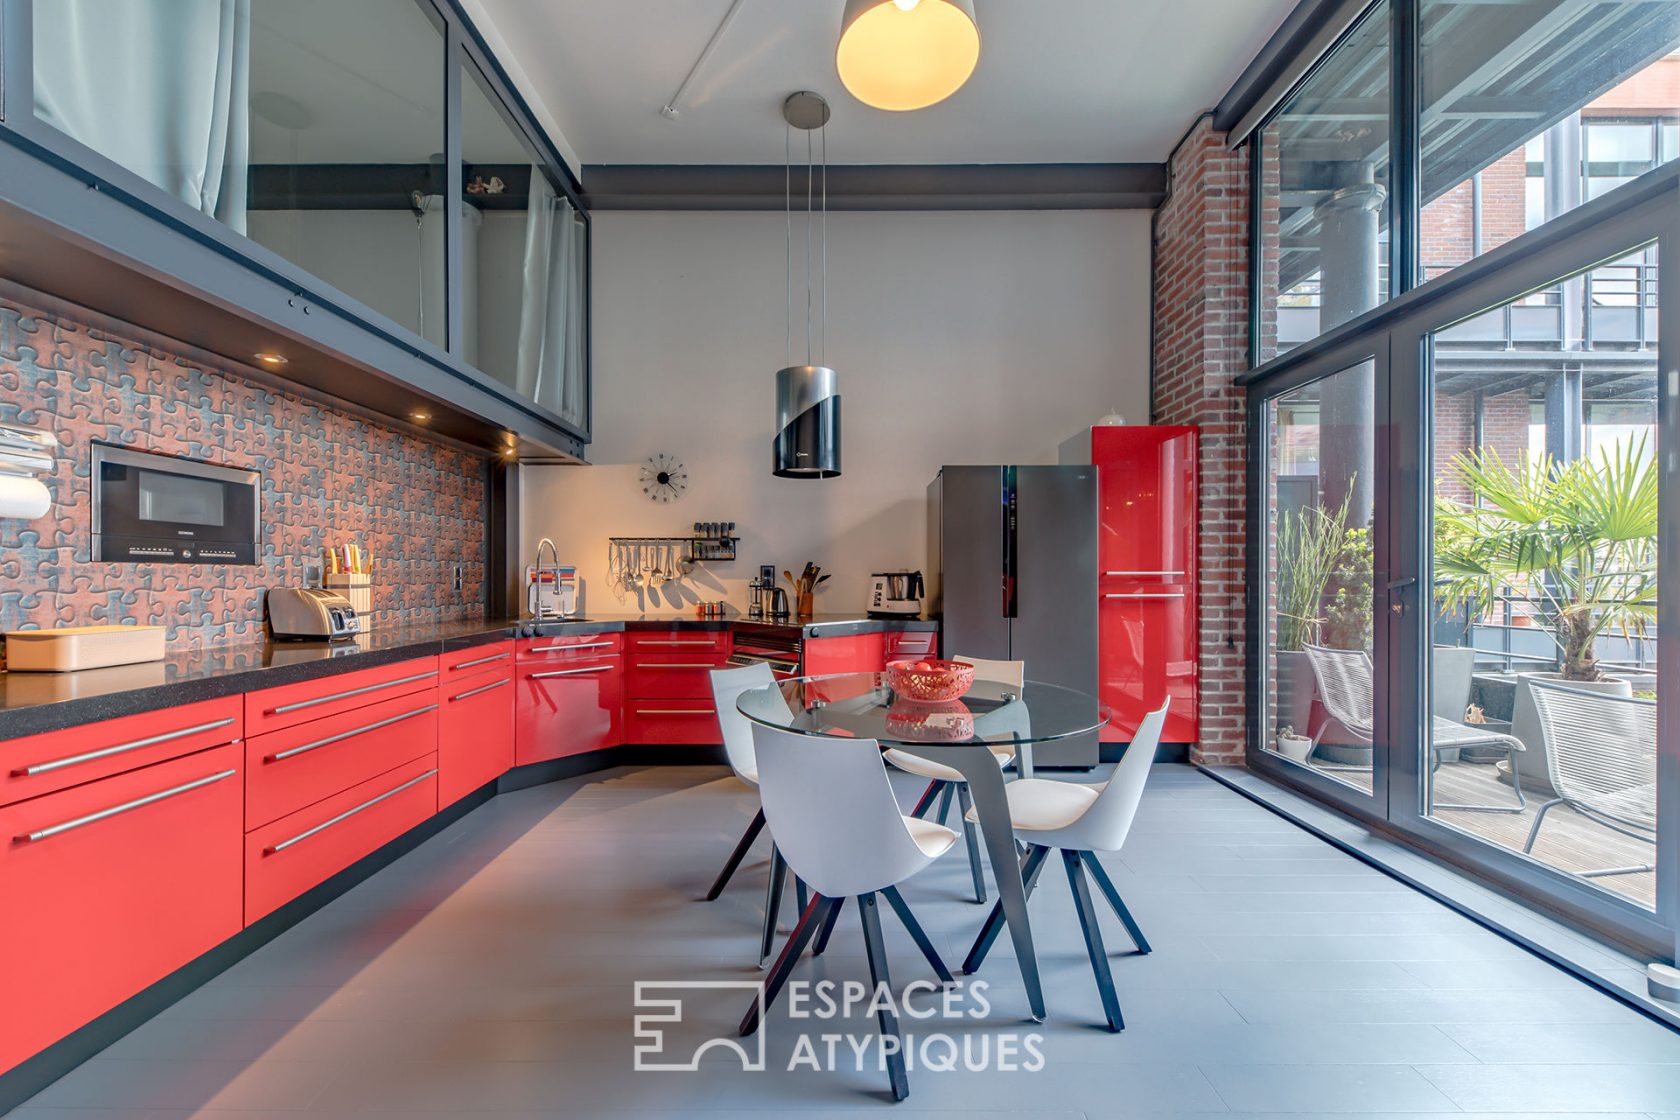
82,647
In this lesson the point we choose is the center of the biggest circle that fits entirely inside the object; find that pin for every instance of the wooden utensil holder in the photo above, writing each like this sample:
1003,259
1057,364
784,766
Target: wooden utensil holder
358,588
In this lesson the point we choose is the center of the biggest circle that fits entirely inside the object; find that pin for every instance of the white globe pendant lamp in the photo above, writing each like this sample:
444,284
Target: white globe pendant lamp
906,54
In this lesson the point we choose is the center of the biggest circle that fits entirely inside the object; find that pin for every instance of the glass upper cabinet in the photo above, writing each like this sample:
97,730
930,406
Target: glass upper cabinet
314,127
524,251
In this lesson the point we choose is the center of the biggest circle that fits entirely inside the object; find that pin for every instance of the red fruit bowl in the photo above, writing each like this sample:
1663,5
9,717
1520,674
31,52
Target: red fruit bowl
915,722
930,682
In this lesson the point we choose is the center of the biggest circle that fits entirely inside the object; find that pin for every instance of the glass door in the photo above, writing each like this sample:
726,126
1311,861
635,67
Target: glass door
1319,576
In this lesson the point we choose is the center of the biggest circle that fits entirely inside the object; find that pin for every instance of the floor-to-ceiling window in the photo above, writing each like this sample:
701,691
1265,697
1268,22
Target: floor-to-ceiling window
1470,655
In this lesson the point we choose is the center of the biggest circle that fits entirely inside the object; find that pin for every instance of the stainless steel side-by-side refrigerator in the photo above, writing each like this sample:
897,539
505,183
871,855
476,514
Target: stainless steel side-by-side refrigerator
1012,553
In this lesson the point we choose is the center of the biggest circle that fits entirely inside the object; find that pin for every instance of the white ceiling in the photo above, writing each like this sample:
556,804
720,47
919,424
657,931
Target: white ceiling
1058,80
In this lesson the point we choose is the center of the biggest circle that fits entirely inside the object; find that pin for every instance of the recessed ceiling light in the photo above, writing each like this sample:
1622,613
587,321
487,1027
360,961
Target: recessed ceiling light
269,359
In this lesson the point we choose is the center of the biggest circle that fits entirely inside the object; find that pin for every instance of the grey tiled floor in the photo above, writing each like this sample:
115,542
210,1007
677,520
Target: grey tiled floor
490,973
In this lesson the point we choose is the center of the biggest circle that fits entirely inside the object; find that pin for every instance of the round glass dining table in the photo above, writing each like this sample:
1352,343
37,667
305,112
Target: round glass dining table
958,733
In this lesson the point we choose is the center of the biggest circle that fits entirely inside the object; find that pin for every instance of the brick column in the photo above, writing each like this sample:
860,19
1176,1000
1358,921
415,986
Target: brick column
1200,345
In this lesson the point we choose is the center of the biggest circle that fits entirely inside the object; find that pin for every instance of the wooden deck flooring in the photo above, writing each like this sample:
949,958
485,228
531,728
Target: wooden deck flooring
1568,841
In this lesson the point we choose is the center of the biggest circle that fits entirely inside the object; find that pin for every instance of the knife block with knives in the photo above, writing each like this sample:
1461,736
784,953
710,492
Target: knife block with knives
804,588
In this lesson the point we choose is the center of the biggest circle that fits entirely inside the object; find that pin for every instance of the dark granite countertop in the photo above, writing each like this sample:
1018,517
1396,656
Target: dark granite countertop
31,703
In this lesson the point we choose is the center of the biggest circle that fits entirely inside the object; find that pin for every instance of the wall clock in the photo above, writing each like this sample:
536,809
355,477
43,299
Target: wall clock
664,478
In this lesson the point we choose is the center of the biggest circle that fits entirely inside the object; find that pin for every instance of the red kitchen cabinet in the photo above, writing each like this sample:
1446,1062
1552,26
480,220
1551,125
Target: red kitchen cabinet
274,708
569,647
663,676
298,766
910,645
666,722
669,686
475,732
40,764
851,653
1146,548
567,706
287,857
459,664
110,886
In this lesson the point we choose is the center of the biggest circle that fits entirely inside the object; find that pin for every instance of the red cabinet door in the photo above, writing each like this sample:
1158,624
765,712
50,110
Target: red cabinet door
910,645
286,857
666,676
1147,621
274,708
287,770
569,647
459,664
475,734
567,708
112,885
667,722
852,653
38,764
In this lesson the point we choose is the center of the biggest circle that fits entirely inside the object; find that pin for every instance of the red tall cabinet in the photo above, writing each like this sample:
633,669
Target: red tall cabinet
1146,552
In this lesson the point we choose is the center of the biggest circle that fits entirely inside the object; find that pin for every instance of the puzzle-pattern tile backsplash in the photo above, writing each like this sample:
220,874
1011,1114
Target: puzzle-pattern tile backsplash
327,477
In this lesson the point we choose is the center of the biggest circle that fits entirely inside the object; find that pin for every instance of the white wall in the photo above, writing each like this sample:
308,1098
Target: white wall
958,337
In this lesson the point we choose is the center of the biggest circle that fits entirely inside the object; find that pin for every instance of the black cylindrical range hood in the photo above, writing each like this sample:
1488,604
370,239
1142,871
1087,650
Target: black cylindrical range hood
807,443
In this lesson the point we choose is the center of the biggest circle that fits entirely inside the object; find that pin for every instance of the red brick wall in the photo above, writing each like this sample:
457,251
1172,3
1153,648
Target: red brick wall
1200,345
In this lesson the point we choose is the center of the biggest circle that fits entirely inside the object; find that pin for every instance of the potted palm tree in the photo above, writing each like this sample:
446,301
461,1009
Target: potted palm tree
1577,539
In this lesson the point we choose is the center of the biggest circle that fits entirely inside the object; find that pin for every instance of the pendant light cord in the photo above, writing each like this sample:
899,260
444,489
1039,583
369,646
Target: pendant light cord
787,242
810,177
822,345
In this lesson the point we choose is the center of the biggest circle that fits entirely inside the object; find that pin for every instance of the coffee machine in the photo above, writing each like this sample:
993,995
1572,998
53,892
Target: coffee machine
896,594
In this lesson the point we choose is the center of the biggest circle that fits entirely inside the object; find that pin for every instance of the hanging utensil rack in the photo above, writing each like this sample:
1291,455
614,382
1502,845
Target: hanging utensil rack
699,548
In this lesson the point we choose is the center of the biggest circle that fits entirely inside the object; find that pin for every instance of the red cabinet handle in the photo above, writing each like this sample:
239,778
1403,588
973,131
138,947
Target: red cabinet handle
479,689
284,708
1143,573
568,672
674,712
347,814
125,807
478,661
561,649
280,756
676,642
1144,595
106,752
675,665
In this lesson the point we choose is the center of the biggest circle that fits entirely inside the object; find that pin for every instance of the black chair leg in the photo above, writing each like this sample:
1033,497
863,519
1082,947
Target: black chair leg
772,905
1093,940
917,933
971,835
943,813
827,929
878,977
800,893
1106,885
1031,864
737,856
925,802
815,914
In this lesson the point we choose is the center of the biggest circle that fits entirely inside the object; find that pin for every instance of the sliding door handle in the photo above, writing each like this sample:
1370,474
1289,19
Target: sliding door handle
1396,594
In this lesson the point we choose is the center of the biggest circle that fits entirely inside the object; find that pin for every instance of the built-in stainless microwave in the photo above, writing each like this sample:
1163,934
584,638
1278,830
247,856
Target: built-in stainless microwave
161,509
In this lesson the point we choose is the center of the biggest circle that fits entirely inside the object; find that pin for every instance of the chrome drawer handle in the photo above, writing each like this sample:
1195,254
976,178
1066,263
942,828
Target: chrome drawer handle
478,661
480,688
568,672
301,704
675,665
562,649
1142,572
674,712
281,756
347,814
1144,595
676,642
106,752
127,806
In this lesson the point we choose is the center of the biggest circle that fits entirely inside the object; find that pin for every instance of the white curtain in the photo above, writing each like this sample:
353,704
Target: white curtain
549,367
159,86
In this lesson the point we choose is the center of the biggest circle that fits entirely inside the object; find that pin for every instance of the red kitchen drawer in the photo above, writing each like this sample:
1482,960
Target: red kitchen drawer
671,722
570,646
911,645
460,663
288,856
685,675
275,708
677,641
475,733
288,770
566,709
56,760
125,880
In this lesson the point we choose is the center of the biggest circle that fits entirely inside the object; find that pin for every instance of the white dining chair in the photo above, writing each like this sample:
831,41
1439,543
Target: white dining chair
727,687
1080,820
831,808
944,781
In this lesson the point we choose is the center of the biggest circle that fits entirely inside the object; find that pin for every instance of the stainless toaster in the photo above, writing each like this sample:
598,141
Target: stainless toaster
311,612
